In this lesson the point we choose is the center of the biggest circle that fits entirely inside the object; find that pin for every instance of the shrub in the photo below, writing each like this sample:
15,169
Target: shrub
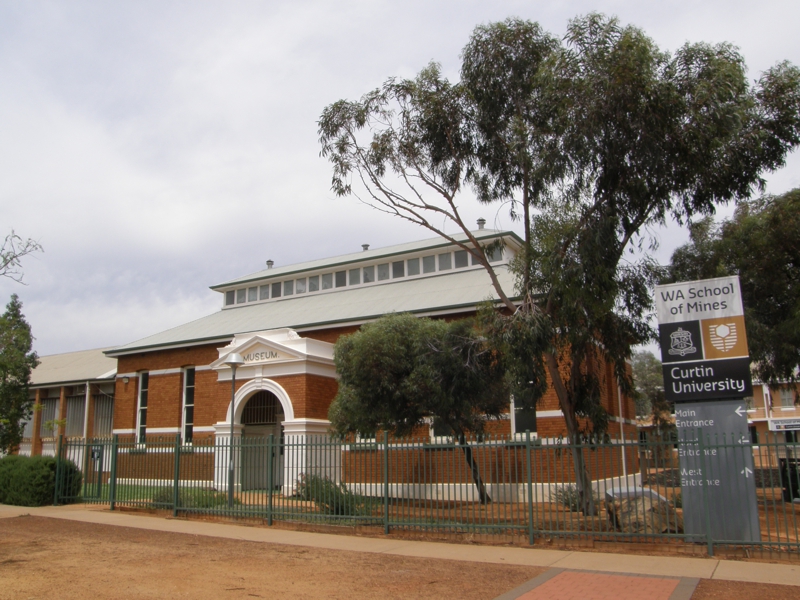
568,496
332,498
30,481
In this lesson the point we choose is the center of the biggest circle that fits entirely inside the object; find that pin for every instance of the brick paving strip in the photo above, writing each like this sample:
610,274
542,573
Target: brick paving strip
656,567
562,584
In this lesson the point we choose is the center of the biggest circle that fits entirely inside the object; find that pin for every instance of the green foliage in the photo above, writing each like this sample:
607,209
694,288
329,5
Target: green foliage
760,244
400,369
569,497
333,498
30,481
593,139
16,363
648,381
190,498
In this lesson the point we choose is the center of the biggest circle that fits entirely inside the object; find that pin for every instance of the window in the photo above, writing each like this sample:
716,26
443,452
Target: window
276,290
103,414
327,281
355,276
493,254
790,437
369,274
413,266
787,398
230,298
188,404
313,283
252,294
264,292
288,287
241,296
461,259
398,269
753,435
27,431
444,261
141,413
49,414
524,420
383,271
428,264
341,278
300,286
76,409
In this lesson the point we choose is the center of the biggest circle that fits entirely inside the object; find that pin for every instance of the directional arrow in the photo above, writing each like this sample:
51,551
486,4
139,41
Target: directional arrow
740,411
747,472
744,440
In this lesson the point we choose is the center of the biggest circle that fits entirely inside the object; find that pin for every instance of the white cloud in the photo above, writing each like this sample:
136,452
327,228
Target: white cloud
156,148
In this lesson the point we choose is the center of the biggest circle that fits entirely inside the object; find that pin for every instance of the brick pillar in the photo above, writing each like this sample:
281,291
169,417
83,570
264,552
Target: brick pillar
36,440
62,411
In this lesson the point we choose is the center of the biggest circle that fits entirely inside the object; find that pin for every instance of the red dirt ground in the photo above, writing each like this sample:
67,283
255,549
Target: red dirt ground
53,558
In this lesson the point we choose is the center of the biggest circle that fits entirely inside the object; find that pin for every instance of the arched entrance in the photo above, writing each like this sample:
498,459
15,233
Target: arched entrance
261,417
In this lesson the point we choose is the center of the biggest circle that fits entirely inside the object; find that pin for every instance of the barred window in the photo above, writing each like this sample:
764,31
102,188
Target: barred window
141,417
188,404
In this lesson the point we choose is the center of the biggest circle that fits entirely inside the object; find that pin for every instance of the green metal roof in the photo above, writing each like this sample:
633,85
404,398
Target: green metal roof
450,291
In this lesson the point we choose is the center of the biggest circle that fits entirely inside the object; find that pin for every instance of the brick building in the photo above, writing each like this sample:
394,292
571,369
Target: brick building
284,320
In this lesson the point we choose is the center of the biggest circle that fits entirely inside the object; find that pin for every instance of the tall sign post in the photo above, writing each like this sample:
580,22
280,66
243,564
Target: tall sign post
706,368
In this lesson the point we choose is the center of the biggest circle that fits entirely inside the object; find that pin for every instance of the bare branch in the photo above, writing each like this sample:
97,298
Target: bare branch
13,249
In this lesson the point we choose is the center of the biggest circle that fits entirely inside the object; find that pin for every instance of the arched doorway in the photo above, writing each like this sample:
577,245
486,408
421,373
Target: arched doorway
262,417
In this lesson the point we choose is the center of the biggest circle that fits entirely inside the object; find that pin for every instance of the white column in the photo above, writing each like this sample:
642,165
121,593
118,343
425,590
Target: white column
309,450
222,448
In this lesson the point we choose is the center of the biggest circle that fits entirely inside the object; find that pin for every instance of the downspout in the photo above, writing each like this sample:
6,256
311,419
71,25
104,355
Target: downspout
622,434
86,410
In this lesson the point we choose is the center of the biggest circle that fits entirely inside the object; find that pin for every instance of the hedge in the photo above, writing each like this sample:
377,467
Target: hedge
30,481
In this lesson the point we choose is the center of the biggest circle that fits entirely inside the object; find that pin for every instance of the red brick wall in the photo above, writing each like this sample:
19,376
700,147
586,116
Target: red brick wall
310,394
500,464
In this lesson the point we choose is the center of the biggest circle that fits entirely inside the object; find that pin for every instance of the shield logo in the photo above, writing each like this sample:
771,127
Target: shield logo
681,343
723,336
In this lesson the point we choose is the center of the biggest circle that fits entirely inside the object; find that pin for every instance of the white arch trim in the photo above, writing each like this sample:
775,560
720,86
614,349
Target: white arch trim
256,385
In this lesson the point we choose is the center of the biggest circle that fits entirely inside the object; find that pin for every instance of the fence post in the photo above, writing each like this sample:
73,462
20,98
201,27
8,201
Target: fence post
386,482
705,475
530,485
57,486
270,477
176,495
112,492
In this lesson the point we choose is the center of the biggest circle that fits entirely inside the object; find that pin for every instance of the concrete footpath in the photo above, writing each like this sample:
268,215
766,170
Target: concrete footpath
557,560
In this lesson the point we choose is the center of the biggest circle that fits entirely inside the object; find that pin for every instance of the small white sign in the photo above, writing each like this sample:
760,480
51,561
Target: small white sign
698,300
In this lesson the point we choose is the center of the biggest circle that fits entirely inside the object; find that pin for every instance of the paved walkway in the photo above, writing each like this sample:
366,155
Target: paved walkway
624,575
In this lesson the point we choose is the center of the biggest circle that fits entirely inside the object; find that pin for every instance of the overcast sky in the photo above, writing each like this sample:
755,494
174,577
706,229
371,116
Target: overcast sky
157,148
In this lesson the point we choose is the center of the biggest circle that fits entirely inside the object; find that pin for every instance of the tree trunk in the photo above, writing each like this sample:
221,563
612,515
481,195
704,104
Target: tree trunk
583,482
483,495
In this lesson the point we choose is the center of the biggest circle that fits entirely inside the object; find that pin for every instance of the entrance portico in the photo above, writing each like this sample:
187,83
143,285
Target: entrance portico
299,374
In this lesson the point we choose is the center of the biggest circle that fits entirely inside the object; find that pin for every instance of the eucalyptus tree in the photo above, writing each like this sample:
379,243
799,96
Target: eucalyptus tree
400,371
760,244
595,139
